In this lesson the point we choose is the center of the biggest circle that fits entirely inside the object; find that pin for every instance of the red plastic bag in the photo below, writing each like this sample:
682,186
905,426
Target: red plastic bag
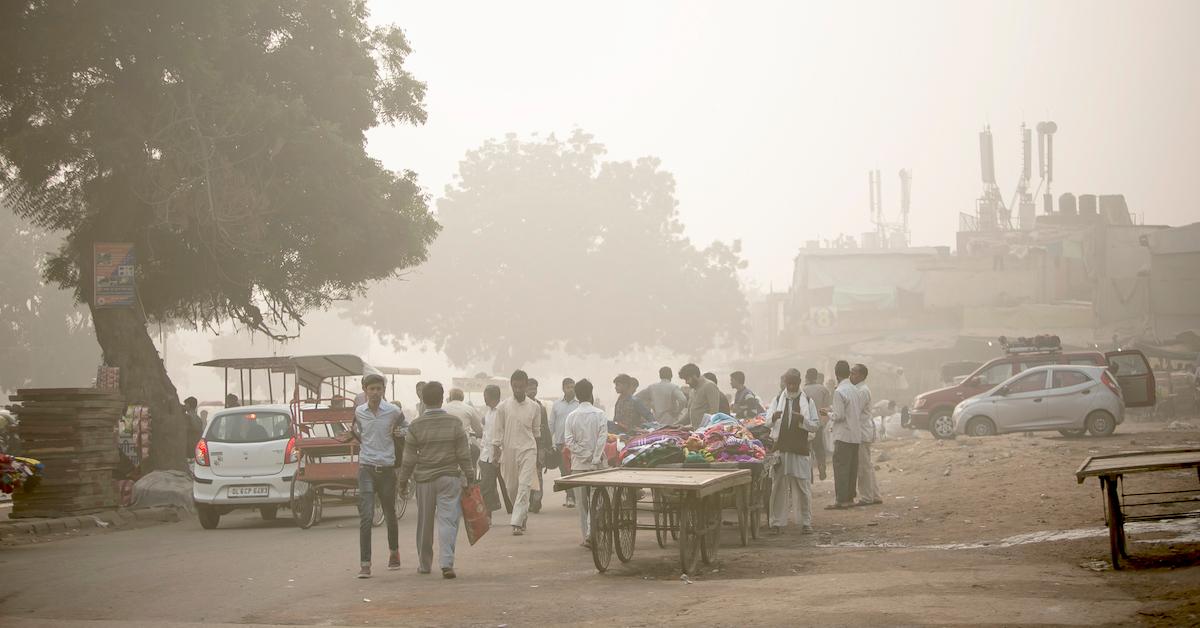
475,513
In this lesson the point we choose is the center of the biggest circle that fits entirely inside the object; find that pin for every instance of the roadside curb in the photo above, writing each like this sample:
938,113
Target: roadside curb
121,518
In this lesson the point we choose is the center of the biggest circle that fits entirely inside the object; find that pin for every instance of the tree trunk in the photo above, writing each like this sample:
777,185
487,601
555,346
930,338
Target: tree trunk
126,344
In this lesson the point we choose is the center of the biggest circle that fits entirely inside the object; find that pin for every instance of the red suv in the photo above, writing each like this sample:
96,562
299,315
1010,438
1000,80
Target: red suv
932,410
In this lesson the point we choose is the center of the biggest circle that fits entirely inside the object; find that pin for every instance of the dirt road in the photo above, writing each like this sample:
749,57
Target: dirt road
982,532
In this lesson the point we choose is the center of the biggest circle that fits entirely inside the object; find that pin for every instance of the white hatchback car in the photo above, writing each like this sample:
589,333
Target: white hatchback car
1069,399
246,459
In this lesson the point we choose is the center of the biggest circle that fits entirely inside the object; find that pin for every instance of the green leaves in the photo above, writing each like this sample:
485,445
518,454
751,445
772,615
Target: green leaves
224,138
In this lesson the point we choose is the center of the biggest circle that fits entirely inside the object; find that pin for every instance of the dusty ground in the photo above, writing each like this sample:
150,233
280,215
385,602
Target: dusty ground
1006,538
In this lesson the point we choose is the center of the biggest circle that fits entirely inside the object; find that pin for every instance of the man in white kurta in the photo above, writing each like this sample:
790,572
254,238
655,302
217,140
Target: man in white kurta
585,435
514,442
868,488
794,418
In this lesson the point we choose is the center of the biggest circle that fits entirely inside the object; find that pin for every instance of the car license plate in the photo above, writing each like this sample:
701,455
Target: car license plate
249,491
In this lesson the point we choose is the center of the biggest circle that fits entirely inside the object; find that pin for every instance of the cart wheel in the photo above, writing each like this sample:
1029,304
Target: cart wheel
661,520
377,520
401,504
690,522
711,526
601,534
305,504
743,514
625,522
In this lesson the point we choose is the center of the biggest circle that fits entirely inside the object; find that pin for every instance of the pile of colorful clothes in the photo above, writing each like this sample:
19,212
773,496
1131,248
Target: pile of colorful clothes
729,441
19,473
760,429
664,446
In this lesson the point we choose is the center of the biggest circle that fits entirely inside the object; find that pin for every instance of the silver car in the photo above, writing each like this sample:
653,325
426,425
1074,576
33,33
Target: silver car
1069,399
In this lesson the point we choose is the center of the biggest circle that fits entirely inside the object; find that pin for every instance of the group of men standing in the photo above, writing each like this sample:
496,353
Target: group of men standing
838,420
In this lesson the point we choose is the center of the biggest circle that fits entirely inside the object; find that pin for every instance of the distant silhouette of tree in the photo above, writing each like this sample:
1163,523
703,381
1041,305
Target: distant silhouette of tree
226,141
45,338
547,246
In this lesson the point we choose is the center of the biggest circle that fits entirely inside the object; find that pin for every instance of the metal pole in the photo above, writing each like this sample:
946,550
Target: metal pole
250,376
270,386
226,384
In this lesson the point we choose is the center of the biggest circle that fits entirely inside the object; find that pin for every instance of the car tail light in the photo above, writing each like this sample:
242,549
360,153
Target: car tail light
290,454
1111,383
202,453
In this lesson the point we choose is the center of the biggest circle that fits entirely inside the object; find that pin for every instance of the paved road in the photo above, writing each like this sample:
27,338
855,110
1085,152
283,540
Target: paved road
253,572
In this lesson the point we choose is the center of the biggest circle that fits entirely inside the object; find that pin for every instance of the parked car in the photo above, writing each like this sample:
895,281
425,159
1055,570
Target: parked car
933,410
1069,399
246,459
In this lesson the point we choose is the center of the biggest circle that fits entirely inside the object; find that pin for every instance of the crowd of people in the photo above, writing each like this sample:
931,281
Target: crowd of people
507,445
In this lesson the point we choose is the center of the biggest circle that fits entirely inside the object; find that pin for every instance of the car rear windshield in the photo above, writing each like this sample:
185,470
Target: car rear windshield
250,427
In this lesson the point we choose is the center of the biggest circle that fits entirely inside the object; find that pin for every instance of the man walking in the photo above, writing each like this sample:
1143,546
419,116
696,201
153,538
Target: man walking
195,426
628,413
545,445
664,398
745,402
585,435
845,414
820,396
457,406
518,426
488,467
437,458
793,418
868,488
705,397
558,425
375,423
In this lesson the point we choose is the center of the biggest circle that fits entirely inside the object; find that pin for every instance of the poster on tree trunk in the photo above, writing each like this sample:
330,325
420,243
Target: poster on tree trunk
114,271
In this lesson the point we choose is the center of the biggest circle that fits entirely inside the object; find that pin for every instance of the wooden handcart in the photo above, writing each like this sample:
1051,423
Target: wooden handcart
1119,508
686,504
751,502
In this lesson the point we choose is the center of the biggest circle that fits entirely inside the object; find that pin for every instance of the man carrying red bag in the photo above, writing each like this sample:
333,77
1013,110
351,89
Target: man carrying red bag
438,458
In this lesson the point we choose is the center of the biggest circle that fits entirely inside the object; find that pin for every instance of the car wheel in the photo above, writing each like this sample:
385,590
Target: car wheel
1100,423
941,425
209,517
1073,433
981,426
268,512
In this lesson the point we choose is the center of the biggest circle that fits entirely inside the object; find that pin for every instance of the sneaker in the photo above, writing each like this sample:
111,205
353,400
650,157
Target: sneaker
394,561
448,573
518,530
364,571
806,530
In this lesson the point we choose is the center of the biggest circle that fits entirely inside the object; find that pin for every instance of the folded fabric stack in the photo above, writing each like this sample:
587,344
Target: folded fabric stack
652,455
701,456
729,441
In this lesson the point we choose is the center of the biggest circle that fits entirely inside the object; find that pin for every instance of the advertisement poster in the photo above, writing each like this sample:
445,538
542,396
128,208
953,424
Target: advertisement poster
114,272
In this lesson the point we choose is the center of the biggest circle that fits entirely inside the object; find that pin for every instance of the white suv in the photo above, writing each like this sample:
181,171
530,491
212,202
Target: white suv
246,459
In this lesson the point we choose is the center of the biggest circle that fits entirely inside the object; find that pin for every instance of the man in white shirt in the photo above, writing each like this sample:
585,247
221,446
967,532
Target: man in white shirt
558,424
585,435
465,412
664,398
488,469
868,488
514,443
845,416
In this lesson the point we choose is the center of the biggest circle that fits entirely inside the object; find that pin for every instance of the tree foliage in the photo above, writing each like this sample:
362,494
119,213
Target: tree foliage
224,138
44,336
548,245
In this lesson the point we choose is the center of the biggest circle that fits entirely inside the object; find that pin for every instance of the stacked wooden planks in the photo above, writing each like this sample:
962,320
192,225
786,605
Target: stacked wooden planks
72,431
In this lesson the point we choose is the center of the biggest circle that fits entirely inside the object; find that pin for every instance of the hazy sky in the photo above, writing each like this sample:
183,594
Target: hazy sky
770,114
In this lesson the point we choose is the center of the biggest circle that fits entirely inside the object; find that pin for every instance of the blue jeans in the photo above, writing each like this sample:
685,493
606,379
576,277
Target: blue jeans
372,481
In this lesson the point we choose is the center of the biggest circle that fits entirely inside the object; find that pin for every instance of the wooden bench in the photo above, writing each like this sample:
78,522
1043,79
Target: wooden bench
1112,469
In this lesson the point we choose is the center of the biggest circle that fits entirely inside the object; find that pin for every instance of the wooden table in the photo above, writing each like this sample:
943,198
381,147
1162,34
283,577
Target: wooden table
1111,470
686,504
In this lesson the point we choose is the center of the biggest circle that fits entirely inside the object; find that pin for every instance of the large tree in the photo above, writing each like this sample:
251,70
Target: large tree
44,335
226,141
550,246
